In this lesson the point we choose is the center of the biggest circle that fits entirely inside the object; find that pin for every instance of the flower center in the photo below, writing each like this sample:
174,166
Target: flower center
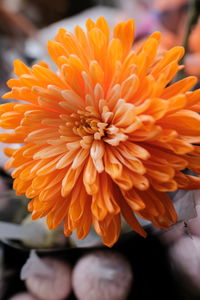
88,122
92,123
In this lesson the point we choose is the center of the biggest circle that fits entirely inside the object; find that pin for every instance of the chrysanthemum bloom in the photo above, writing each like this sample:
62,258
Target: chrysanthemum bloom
106,136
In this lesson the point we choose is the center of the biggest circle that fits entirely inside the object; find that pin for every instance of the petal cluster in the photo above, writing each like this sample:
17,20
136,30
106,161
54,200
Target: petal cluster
104,137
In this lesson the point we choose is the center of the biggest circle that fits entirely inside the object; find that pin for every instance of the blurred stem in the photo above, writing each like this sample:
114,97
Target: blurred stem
194,13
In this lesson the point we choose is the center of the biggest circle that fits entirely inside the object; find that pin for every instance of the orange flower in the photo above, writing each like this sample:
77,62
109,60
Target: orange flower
105,137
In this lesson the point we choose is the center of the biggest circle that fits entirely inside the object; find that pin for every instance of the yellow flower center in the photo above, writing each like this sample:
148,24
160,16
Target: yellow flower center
92,123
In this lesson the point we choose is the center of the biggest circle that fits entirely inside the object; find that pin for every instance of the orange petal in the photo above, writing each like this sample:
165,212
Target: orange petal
124,31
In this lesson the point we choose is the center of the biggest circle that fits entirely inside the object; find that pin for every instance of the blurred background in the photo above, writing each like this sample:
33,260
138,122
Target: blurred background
164,265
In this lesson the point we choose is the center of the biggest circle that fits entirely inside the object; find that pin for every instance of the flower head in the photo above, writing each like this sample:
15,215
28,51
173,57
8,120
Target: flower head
105,136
